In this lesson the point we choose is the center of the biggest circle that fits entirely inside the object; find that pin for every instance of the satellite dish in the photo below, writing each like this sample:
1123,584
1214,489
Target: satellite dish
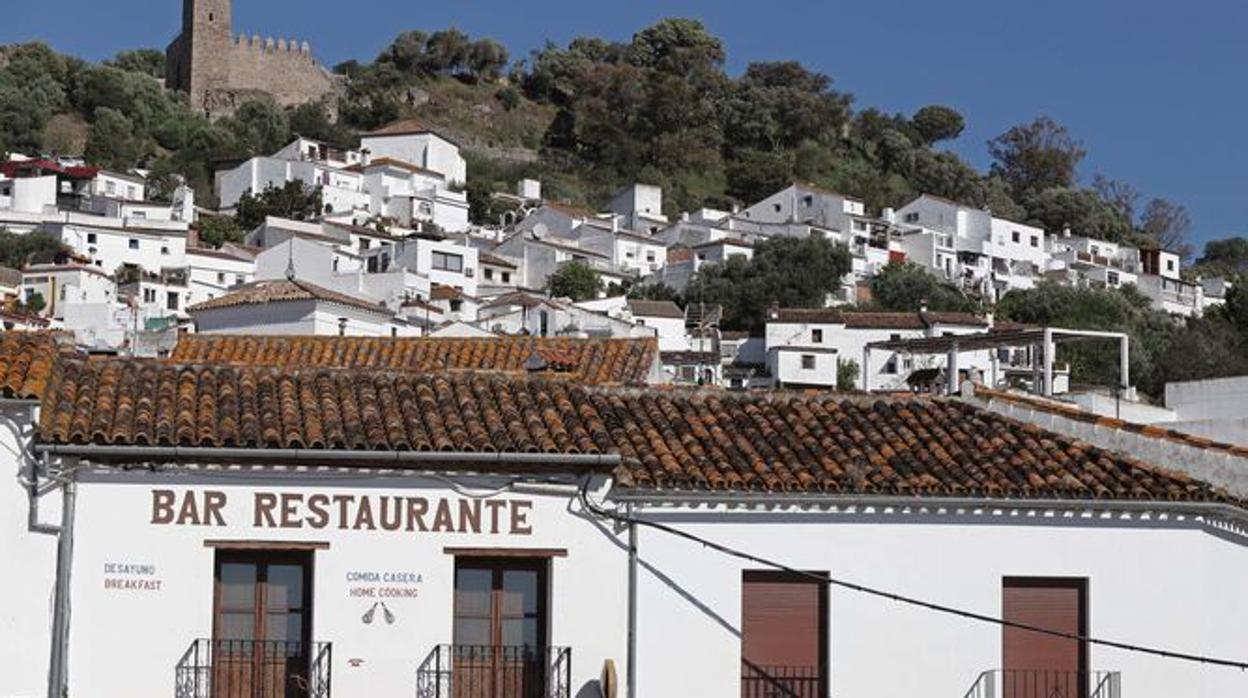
540,230
609,683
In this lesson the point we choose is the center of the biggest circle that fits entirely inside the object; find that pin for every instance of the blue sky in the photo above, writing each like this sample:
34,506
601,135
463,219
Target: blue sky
1155,90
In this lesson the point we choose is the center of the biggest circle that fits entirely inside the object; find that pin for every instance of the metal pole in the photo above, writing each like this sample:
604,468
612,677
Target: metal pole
632,607
58,683
866,369
951,372
1124,358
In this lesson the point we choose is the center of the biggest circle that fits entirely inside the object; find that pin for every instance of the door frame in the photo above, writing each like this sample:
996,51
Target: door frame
497,565
1080,585
262,559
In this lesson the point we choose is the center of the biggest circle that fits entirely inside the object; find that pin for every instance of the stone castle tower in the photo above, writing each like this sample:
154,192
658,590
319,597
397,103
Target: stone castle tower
220,71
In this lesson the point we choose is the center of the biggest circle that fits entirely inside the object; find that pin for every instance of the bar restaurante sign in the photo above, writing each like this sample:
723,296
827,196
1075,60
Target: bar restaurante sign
347,512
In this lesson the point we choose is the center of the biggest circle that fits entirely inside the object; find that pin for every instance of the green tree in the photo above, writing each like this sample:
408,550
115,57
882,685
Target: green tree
791,272
260,127
575,280
1167,225
907,287
446,52
655,292
112,143
145,61
756,174
1227,257
486,59
215,231
677,46
936,123
34,303
847,373
1036,156
17,250
1082,210
295,200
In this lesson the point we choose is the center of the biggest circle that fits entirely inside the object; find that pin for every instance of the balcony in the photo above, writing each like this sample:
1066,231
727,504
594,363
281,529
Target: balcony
781,681
253,669
1038,683
495,671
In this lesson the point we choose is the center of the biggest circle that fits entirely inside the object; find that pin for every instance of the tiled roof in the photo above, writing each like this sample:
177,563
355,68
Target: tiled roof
396,163
281,290
406,127
26,363
494,260
570,210
669,440
623,361
663,309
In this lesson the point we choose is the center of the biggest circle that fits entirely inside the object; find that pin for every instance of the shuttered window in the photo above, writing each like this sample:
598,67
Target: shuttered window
783,635
1054,604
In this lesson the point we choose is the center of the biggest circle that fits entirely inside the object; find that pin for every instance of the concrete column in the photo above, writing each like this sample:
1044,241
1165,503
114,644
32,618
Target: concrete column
951,369
1125,365
866,369
1048,362
995,362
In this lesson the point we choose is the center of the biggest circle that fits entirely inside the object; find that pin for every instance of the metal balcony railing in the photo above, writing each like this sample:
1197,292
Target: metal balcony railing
781,681
495,671
254,669
1039,683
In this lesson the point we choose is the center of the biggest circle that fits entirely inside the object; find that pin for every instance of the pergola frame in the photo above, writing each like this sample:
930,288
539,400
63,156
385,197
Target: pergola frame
1044,339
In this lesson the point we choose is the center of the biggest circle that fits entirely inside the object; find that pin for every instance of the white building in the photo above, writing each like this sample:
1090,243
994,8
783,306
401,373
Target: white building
801,543
412,195
64,285
628,251
342,191
970,247
212,273
807,347
413,142
640,208
286,307
1088,262
111,243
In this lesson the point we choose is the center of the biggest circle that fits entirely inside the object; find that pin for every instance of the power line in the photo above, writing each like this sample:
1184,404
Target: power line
900,598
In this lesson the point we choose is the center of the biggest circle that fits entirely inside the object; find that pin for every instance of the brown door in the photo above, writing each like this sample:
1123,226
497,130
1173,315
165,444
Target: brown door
500,628
1037,665
261,629
784,636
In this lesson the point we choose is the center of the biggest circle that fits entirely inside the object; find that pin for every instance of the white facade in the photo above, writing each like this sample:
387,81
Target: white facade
113,242
341,190
803,203
413,195
1214,409
28,194
303,317
119,186
64,285
428,150
213,273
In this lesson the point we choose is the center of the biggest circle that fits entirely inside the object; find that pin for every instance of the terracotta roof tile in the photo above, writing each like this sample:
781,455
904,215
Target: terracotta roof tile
660,309
594,361
281,290
669,440
26,363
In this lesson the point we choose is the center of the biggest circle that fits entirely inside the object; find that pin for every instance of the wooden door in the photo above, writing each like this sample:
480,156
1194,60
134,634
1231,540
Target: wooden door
261,627
1037,665
783,636
500,628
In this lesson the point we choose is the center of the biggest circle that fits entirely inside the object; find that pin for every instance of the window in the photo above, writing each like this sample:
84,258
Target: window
456,305
776,207
238,278
1169,265
164,249
221,277
506,277
911,217
365,243
261,611
1016,236
808,362
808,201
130,192
489,274
443,261
501,603
149,295
784,634
1112,278
860,225
91,238
1035,240
134,244
171,300
342,327
110,187
816,336
138,214
650,256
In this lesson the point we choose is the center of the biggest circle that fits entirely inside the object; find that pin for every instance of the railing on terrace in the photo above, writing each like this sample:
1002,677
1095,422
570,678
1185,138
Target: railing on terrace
781,681
254,669
1039,683
495,671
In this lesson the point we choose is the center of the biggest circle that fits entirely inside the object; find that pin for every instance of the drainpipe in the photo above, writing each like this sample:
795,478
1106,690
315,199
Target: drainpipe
58,669
632,607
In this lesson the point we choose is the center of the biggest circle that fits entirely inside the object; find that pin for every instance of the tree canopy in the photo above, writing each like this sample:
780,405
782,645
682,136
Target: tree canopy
575,280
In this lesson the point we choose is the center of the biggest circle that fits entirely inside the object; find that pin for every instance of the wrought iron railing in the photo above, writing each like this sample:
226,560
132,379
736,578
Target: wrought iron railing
781,681
493,671
1039,683
254,669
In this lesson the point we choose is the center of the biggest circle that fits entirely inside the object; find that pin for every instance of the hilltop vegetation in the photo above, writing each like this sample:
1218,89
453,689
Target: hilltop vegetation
593,115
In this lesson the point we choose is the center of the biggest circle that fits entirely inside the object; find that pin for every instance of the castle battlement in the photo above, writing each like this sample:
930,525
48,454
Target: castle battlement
272,45
221,70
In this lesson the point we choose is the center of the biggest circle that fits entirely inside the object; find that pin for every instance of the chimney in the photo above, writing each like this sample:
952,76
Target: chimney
1066,231
773,311
192,237
922,305
889,215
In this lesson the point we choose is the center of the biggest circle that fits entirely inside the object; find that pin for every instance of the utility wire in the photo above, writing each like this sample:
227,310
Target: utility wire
909,600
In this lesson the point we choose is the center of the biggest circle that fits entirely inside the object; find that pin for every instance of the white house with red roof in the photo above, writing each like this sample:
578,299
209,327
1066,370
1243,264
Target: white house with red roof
414,142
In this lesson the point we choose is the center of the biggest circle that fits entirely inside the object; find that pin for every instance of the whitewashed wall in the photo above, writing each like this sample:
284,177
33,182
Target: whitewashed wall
128,642
1149,583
